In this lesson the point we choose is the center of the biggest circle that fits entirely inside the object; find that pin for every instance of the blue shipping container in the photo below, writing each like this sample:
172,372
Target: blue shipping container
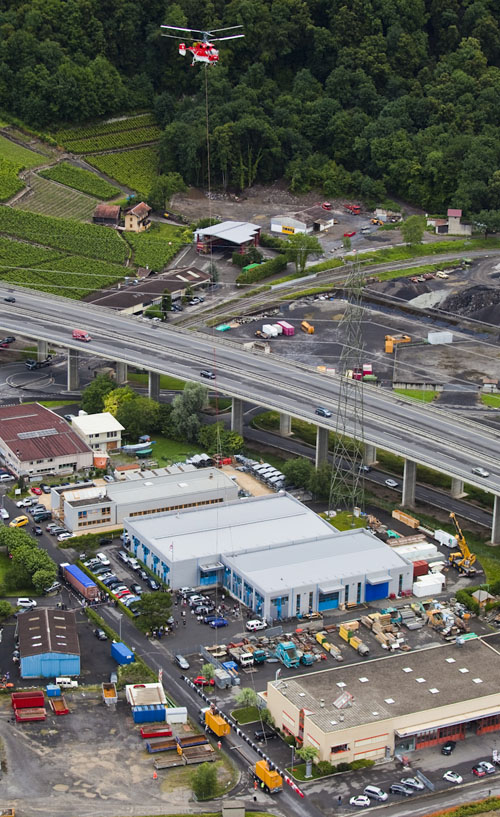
53,691
149,713
121,653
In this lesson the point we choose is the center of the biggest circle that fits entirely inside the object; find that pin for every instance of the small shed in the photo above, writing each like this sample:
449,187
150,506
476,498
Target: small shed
107,214
483,597
48,643
312,219
121,653
137,218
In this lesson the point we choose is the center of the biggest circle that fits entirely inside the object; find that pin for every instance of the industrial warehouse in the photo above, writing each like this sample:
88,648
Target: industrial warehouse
397,704
48,643
272,553
102,506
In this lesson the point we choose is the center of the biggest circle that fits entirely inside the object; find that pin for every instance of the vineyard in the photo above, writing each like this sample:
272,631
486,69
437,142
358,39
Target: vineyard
83,180
71,276
135,168
89,131
52,199
65,234
112,141
13,159
157,247
20,254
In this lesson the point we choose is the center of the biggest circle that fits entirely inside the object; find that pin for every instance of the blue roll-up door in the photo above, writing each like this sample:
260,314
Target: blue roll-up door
376,591
328,601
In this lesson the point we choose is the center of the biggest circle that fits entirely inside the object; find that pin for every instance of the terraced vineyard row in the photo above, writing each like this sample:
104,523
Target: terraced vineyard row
13,159
83,180
21,254
157,247
65,234
110,141
88,131
135,168
70,276
51,199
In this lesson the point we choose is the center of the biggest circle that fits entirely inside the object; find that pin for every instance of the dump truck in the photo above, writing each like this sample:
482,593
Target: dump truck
353,209
216,724
268,779
109,694
242,656
287,654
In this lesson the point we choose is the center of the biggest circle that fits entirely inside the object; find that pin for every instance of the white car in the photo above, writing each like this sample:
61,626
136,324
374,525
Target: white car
63,536
480,472
24,503
413,783
391,483
360,800
487,767
453,777
25,602
255,624
4,513
103,559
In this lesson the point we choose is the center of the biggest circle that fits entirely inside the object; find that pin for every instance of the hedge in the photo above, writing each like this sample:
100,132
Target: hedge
90,541
264,270
106,590
275,243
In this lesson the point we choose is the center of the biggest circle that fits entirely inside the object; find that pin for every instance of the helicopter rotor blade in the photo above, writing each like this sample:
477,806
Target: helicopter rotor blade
177,28
232,37
229,28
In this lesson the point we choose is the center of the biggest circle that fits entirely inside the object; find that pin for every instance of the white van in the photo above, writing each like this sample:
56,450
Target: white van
66,683
6,477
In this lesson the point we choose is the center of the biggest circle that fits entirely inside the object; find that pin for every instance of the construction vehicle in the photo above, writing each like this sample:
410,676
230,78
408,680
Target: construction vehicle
353,209
216,724
287,654
462,559
268,779
377,221
392,340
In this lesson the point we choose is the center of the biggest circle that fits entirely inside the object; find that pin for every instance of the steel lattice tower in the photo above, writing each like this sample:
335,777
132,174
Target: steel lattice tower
347,483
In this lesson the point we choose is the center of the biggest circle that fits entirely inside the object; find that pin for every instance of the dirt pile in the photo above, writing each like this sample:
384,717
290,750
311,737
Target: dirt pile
480,302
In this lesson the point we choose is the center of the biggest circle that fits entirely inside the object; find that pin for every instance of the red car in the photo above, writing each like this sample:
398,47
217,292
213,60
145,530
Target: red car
201,681
37,491
350,235
478,771
122,594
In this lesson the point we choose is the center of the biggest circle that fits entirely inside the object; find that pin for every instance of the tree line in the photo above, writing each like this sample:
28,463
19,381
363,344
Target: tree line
368,98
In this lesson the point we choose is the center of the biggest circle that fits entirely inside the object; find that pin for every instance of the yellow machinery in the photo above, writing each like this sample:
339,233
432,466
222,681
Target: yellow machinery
392,340
463,559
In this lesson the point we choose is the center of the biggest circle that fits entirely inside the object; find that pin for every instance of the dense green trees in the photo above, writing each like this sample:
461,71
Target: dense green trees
358,98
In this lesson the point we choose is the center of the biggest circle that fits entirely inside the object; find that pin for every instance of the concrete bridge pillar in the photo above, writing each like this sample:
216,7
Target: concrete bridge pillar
237,416
457,488
409,484
42,349
322,435
285,425
121,373
153,386
370,457
73,374
495,528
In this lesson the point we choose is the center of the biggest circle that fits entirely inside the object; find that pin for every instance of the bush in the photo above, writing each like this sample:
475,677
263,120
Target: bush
205,222
264,270
272,241
465,598
343,767
363,763
204,781
324,767
290,740
90,541
253,256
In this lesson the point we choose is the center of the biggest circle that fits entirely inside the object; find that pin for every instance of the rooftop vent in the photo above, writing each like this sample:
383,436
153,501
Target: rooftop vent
434,690
407,669
477,680
420,680
341,684
450,660
389,700
463,669
363,680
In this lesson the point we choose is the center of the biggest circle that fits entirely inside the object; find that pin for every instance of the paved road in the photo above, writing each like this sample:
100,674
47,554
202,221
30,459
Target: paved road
423,433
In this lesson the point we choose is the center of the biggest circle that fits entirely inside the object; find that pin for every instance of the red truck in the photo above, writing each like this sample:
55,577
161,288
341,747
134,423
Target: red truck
28,706
353,209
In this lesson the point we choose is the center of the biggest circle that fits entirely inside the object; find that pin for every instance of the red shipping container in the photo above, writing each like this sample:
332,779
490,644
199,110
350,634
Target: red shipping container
420,568
27,700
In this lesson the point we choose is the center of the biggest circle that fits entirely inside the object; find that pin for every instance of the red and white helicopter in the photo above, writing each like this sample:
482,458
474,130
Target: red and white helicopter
202,49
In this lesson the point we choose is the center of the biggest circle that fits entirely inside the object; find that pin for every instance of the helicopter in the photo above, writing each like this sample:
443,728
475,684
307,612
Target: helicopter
202,49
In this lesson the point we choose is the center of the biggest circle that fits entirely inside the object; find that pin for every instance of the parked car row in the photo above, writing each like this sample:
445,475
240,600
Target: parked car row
100,567
132,562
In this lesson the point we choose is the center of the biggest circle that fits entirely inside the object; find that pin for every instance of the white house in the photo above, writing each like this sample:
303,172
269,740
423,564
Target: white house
100,431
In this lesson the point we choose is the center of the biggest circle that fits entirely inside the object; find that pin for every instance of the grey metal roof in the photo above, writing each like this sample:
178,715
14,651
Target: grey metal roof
325,560
235,231
231,527
398,684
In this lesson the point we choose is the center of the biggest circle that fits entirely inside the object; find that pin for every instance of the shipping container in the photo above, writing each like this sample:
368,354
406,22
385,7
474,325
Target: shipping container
216,724
28,699
158,732
121,653
288,329
278,328
149,713
420,568
80,581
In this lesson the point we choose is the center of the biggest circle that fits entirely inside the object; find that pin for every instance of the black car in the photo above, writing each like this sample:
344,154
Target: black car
208,374
8,339
152,584
36,530
110,580
45,488
100,634
105,541
448,747
10,300
265,734
399,788
136,589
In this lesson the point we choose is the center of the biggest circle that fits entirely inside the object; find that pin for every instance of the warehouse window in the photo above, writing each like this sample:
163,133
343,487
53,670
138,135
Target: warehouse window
400,584
297,604
346,594
311,599
342,747
358,594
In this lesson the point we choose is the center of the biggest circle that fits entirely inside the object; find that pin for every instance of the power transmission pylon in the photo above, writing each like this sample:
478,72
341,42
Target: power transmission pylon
347,483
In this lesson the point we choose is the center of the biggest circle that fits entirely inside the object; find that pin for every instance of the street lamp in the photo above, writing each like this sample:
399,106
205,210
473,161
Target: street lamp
120,616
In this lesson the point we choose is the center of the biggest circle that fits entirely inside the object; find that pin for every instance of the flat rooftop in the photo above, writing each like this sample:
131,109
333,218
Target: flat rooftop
398,684
325,562
96,423
231,527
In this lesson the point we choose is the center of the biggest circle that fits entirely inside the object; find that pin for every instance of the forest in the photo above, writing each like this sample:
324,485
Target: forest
373,98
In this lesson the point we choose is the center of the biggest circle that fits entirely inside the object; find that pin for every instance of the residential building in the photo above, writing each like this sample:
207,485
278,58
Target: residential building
271,553
392,705
36,441
48,643
99,431
136,219
452,225
143,494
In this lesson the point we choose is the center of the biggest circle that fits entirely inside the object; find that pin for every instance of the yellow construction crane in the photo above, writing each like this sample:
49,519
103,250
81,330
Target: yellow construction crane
463,559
